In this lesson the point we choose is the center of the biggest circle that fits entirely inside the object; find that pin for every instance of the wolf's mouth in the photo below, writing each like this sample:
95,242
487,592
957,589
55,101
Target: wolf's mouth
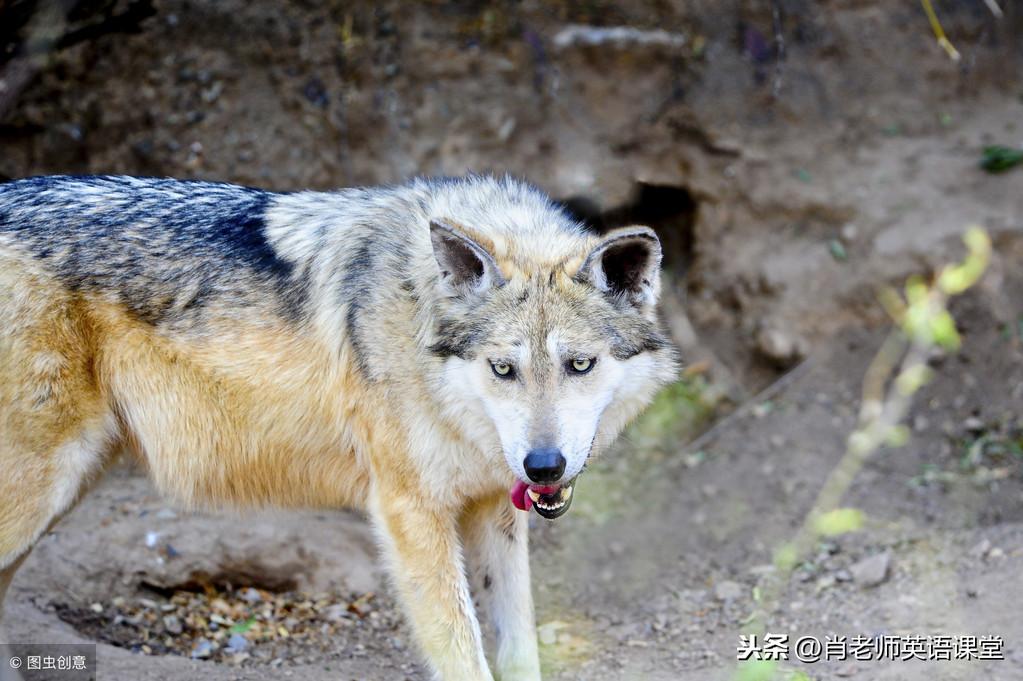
550,501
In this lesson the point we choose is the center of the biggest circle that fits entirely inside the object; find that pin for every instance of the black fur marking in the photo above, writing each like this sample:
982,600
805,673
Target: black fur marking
457,339
147,240
655,341
355,292
487,582
644,339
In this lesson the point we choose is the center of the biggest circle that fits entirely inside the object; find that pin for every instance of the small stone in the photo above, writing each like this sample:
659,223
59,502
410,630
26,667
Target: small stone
251,595
843,576
203,649
337,613
237,643
826,582
872,571
173,625
506,130
728,590
973,425
780,347
96,607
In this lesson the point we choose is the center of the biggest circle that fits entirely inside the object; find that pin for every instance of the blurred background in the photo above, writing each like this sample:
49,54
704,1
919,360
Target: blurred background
794,156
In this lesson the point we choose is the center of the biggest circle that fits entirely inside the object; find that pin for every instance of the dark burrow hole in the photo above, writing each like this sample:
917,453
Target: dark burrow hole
671,211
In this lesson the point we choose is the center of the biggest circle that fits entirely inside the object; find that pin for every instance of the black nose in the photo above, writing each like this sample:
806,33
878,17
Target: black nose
545,465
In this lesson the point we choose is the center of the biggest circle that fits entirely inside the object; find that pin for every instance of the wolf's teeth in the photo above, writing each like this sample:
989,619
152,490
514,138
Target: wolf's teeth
534,495
566,494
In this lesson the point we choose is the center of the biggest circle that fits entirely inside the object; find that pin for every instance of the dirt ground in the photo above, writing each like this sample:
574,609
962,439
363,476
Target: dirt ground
787,185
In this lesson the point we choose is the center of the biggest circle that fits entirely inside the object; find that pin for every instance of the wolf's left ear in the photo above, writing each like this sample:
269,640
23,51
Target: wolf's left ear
465,266
626,262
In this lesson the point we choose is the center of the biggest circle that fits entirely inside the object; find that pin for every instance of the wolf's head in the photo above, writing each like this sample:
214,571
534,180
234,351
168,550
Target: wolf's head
550,335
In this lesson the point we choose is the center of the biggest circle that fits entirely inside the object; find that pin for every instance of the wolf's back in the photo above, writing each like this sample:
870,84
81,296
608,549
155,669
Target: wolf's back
165,248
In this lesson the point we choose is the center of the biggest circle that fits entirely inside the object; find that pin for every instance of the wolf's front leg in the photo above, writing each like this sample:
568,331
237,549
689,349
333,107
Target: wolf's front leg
496,535
424,554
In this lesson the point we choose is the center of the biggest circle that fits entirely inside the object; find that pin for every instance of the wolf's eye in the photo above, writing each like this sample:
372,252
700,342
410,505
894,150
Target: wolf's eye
502,369
581,365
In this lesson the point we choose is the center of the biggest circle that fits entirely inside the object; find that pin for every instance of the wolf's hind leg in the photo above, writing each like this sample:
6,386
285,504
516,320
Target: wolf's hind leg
56,430
40,487
496,540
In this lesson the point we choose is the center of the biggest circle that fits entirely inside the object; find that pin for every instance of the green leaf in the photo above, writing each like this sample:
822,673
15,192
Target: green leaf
757,670
837,250
242,627
957,278
998,158
839,521
943,330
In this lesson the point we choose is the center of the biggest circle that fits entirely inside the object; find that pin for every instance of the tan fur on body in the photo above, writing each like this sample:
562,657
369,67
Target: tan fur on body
232,403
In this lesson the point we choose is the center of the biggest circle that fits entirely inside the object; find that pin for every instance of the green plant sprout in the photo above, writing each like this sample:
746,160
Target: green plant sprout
898,371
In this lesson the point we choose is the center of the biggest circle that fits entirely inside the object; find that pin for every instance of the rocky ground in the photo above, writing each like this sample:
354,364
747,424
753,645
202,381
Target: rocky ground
786,190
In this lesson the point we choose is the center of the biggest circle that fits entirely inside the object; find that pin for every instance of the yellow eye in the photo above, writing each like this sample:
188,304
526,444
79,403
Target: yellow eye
581,365
502,369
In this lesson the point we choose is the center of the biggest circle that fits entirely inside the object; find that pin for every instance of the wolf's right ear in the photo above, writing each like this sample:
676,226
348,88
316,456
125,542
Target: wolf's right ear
626,262
465,266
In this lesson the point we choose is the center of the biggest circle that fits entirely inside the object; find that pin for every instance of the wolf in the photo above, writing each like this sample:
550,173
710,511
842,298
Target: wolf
442,354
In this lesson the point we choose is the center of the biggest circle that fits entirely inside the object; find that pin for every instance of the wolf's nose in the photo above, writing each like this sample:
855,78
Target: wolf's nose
545,465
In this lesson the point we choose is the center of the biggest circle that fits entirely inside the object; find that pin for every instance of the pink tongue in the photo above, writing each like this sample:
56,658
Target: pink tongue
519,497
521,500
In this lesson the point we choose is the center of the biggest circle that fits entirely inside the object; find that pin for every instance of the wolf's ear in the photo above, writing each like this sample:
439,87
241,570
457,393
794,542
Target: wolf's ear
465,266
626,262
